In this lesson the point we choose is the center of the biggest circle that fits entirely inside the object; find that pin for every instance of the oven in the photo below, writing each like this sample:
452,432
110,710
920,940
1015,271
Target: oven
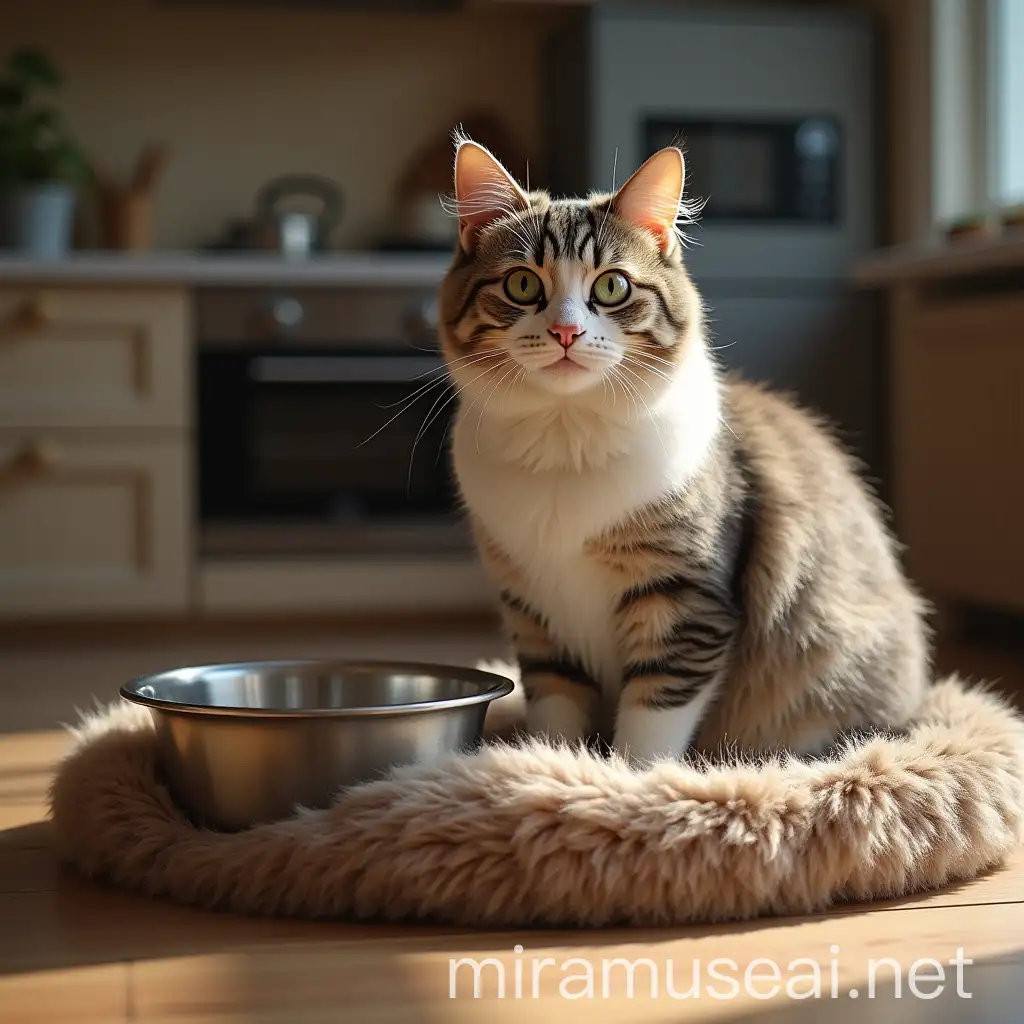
310,440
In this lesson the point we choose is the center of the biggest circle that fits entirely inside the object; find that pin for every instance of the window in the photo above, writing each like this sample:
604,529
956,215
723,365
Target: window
977,88
1007,100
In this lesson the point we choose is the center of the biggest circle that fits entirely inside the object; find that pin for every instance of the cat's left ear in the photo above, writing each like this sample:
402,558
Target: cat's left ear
484,191
651,197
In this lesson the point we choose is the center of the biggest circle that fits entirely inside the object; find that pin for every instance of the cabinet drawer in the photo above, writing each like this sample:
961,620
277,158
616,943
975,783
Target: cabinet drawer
89,528
93,357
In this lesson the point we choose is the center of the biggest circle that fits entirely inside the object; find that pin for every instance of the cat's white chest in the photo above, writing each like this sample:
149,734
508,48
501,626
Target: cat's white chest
543,521
543,518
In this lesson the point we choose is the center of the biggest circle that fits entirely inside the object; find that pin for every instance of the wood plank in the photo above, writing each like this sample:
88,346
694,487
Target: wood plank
39,750
82,922
23,869
27,762
16,814
78,994
33,836
411,981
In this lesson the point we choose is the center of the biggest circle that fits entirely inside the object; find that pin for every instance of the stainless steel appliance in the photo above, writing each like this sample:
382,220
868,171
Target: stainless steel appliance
305,441
294,215
775,109
287,221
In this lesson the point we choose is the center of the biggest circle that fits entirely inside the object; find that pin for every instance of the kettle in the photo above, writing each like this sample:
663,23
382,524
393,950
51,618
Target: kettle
283,220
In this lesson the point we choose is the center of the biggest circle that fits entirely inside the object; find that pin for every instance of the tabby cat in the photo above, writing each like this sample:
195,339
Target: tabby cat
685,561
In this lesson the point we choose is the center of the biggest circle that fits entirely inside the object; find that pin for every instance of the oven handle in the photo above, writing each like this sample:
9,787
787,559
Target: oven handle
341,369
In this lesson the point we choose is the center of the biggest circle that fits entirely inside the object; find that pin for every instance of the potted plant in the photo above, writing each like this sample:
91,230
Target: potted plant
40,164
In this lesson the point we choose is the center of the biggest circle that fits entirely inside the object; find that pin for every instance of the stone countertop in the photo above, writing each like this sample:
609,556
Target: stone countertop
229,269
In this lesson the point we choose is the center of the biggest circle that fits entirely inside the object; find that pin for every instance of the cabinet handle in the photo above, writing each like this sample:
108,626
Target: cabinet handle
34,457
36,313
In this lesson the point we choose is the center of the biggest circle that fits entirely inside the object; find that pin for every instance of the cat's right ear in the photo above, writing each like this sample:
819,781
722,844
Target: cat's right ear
650,198
484,190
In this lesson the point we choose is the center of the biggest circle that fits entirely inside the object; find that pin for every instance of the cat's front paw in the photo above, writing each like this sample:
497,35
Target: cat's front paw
557,718
644,735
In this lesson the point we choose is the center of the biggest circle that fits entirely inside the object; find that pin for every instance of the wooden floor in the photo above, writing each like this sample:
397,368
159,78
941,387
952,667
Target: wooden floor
74,951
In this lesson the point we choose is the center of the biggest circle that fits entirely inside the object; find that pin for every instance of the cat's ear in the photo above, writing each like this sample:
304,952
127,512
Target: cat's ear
484,190
651,197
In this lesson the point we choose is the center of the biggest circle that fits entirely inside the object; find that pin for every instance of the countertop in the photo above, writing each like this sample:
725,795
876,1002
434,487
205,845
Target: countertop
942,259
383,269
364,269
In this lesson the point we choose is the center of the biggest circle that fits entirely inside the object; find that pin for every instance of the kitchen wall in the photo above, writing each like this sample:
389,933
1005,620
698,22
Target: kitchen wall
244,94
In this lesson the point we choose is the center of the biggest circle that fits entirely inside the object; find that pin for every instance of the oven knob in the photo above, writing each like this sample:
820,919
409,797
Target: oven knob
287,313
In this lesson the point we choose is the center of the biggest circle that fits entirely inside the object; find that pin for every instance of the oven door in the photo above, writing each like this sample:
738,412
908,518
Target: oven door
321,450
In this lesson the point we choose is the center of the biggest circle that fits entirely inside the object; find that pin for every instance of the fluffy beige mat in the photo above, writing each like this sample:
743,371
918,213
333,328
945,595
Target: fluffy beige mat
538,835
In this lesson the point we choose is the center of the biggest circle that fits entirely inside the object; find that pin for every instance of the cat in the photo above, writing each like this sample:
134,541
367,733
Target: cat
685,562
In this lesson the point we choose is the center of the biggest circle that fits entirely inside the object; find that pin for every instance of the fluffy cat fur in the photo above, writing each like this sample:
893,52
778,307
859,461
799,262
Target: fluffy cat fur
685,561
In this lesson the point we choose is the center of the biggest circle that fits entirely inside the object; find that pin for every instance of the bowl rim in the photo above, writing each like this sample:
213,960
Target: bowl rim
493,686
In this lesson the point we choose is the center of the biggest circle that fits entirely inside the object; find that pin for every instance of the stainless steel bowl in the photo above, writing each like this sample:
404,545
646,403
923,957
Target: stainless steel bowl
248,742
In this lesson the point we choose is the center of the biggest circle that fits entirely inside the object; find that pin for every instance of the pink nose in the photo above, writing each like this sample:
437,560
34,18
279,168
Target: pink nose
567,334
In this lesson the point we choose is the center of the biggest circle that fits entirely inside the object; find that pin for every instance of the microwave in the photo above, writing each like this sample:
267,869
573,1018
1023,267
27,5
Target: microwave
761,170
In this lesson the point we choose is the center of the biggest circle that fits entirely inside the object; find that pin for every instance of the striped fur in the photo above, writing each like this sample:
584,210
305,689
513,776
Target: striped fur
684,561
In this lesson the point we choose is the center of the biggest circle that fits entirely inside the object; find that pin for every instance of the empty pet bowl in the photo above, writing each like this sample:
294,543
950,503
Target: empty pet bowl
247,743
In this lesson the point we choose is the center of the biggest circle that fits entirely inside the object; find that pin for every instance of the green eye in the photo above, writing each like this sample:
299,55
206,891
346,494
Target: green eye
611,288
523,287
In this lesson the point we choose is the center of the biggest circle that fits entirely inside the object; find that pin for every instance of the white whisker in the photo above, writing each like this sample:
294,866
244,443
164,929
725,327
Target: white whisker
443,371
432,415
633,360
483,409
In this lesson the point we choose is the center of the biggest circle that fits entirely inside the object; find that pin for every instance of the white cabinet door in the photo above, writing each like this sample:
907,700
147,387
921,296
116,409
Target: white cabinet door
94,357
92,526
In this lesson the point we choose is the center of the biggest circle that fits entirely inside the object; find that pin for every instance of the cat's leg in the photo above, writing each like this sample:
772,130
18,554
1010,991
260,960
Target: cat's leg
659,719
561,697
678,648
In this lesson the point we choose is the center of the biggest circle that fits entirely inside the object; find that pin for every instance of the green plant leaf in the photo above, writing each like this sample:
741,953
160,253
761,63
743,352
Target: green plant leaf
34,144
44,120
67,161
11,94
33,68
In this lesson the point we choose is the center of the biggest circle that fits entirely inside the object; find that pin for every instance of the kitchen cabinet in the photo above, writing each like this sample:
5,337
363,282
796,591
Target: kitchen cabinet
958,429
95,411
92,526
99,515
956,385
97,357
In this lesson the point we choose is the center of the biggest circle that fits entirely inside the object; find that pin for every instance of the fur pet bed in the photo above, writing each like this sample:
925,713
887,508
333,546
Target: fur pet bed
534,834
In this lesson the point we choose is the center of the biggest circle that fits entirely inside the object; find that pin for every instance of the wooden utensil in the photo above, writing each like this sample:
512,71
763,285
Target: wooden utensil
148,168
126,209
